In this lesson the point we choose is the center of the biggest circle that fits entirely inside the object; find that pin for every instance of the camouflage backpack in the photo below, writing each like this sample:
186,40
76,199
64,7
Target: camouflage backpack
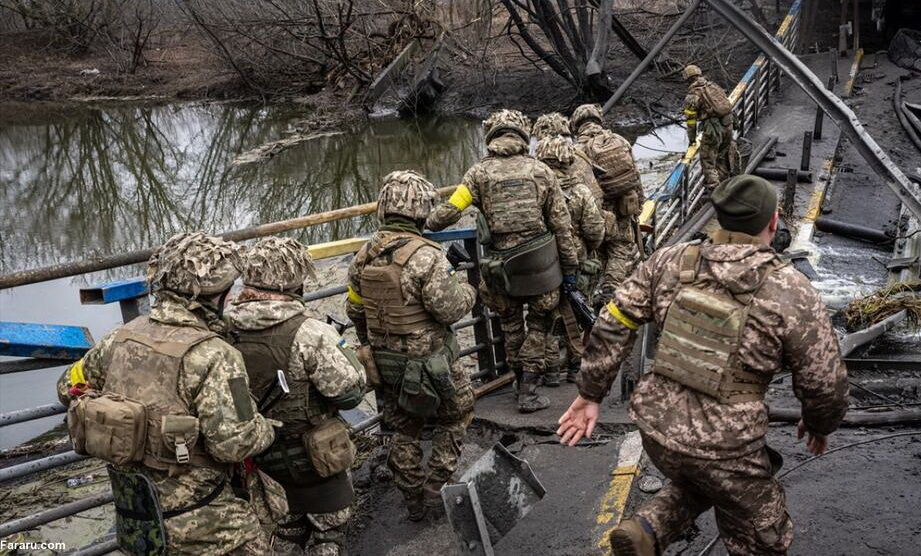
716,99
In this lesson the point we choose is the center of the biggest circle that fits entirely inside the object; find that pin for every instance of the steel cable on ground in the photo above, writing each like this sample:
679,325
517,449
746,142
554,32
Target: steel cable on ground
706,550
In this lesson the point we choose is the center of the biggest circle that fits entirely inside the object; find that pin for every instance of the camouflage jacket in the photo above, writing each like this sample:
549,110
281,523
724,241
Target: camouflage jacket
787,328
508,156
588,222
316,363
428,278
207,370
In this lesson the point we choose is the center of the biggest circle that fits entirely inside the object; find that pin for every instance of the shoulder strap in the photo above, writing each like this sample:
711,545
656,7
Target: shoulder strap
402,254
690,263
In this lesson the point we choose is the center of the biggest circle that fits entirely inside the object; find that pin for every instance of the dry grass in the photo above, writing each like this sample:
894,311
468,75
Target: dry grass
869,310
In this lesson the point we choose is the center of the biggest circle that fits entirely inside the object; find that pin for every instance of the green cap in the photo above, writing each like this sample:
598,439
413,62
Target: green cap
744,204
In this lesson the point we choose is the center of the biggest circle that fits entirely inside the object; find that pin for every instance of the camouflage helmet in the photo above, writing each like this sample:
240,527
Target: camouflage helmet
585,113
551,124
277,263
193,264
406,193
690,72
556,151
507,120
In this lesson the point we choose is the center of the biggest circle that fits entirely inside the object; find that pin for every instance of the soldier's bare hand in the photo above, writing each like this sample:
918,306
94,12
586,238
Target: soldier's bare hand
578,421
815,443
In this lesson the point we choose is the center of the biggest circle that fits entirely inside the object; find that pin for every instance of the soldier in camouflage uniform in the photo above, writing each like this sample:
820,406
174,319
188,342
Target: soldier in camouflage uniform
588,227
555,124
612,157
175,362
403,298
701,411
272,331
707,108
524,221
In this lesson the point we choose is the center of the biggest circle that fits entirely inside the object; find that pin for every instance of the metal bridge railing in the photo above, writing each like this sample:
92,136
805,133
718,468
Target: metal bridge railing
682,194
132,296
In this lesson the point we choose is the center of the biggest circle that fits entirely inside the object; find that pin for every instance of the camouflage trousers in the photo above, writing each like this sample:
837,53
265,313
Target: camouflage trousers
620,256
312,534
557,339
750,507
260,546
715,146
451,421
525,338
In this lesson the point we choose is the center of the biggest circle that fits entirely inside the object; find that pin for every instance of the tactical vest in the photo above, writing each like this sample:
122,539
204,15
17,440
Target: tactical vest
700,339
287,460
509,200
615,169
145,364
386,308
716,103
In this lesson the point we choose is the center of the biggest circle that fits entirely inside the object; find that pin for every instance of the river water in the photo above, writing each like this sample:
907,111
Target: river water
106,180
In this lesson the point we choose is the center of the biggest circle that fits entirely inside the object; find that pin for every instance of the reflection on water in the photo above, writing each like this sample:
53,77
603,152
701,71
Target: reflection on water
104,181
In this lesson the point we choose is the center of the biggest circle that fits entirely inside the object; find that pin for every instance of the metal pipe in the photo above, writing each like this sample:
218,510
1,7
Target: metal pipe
639,69
843,116
855,418
789,193
771,173
325,292
30,414
806,157
30,364
97,549
470,350
856,231
74,268
59,512
34,466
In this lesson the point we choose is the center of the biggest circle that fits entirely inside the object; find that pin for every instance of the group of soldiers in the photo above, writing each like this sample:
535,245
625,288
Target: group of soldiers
220,419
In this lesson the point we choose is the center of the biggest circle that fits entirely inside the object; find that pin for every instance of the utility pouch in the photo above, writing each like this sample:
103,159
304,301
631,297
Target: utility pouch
180,434
390,366
330,448
418,395
628,205
532,268
108,426
372,375
438,367
492,273
482,229
589,270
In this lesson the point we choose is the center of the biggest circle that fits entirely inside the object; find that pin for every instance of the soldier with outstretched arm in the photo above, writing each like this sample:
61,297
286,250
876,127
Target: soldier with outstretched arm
731,315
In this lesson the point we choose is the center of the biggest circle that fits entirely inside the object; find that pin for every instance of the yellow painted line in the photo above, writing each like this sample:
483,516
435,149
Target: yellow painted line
614,501
815,204
649,210
787,21
336,248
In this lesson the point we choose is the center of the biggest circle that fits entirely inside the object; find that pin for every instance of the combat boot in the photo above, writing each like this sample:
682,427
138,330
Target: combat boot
551,377
415,507
529,400
630,538
431,499
572,371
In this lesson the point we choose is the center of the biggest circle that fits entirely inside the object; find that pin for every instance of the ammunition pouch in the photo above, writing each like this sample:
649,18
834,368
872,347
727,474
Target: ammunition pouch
589,269
421,382
529,269
108,426
484,236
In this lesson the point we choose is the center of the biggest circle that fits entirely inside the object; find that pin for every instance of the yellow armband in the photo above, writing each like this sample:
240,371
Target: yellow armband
461,198
76,373
621,318
354,297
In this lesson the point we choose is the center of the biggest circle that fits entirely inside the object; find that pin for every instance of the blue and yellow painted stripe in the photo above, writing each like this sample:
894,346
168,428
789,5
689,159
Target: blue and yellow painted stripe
614,501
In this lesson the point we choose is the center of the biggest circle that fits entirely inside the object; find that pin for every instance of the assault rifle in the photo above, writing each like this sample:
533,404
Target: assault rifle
584,314
457,255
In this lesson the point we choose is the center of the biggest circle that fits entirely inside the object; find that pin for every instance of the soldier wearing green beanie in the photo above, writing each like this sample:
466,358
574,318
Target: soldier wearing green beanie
732,314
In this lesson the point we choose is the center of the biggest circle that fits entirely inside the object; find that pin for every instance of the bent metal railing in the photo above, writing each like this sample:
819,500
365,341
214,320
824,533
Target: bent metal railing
682,194
132,296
